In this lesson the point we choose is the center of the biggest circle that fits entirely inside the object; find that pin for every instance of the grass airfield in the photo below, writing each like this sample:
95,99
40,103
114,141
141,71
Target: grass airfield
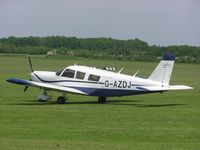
155,121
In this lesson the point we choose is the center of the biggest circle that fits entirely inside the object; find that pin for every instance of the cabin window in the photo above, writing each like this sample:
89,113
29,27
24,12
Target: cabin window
93,77
80,75
68,73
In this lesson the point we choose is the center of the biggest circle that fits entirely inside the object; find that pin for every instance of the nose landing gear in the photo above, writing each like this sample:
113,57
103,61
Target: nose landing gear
44,97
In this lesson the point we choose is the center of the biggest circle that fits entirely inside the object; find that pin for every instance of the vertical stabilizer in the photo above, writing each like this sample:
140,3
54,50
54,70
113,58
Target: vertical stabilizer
163,71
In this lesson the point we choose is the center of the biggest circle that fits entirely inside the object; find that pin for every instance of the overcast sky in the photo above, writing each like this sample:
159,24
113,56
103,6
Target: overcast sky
160,22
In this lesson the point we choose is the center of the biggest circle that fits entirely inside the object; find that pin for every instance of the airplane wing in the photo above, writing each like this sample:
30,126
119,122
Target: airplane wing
159,88
45,86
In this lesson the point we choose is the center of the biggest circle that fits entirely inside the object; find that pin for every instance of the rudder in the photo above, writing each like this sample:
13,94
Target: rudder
163,71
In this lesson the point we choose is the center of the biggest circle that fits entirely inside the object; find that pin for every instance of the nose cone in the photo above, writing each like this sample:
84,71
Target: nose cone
33,76
42,76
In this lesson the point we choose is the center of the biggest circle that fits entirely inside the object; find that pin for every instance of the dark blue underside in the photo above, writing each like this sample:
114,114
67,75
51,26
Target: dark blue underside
111,92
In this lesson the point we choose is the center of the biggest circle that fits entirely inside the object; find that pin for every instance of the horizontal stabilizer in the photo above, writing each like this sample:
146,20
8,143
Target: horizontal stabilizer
180,87
165,88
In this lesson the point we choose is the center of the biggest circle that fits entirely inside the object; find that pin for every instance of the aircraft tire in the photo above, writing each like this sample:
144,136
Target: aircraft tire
61,100
101,99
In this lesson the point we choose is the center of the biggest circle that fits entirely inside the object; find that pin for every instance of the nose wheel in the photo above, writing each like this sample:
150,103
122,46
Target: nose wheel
61,100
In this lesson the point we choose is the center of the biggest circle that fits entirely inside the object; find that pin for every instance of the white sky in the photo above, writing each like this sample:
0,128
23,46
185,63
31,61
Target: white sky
160,22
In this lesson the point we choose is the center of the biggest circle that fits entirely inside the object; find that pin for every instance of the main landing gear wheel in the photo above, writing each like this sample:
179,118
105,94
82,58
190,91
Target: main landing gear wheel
61,100
101,99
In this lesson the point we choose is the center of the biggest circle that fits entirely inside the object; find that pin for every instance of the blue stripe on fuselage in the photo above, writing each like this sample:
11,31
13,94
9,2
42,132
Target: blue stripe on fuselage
94,91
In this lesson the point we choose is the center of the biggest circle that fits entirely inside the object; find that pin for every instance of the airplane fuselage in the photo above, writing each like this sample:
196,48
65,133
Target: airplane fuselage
105,84
98,82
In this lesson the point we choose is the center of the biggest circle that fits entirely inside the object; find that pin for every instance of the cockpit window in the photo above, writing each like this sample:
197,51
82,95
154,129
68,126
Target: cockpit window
68,73
59,72
80,75
93,77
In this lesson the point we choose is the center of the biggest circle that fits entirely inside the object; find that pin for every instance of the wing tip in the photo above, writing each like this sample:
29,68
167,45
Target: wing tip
18,81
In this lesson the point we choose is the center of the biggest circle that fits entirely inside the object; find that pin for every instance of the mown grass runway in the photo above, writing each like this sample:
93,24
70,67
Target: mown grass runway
156,121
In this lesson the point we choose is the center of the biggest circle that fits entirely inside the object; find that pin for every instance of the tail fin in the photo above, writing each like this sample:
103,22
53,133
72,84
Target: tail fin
163,71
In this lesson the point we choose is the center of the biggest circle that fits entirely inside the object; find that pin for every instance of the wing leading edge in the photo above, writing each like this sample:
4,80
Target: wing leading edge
45,86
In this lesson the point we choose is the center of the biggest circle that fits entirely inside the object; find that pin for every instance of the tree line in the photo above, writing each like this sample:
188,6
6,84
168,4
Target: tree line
101,48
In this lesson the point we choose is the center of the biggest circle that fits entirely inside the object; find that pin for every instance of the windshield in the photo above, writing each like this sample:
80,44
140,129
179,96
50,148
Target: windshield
59,72
68,73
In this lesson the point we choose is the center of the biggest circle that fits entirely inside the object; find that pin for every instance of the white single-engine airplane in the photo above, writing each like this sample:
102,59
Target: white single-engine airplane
99,82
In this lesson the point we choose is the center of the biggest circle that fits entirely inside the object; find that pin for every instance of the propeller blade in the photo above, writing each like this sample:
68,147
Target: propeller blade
26,87
30,63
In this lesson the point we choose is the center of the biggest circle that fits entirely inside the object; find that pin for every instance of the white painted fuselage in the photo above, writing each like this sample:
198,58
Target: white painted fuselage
109,83
102,83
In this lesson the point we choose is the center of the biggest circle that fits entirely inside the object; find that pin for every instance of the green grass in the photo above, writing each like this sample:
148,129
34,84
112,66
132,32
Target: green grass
156,121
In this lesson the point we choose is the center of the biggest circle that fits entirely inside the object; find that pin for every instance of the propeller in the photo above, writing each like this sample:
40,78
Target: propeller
26,87
31,66
30,63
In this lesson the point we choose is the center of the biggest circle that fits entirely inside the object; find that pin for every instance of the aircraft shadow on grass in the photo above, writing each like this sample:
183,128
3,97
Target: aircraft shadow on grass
135,103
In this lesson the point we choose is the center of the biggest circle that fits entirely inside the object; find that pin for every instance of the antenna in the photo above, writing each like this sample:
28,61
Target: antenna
136,73
120,70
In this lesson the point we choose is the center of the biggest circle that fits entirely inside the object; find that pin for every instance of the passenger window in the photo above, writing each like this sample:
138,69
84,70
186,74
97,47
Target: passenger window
93,77
80,75
68,73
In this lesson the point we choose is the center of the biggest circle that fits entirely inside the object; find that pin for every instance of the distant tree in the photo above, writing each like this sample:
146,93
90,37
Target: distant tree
103,48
